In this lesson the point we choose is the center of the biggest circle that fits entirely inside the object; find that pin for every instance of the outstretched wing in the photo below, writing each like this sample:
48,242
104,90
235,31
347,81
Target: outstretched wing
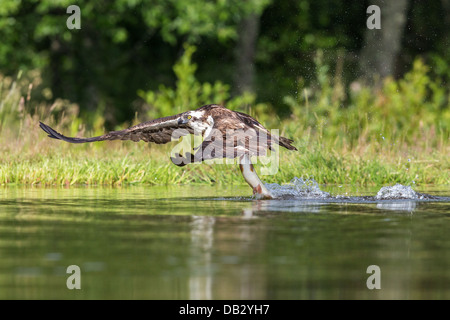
159,131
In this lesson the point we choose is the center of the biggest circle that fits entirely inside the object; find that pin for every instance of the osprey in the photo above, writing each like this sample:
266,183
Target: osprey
226,134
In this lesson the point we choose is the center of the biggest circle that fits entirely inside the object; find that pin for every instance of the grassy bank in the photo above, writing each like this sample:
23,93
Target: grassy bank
63,164
397,132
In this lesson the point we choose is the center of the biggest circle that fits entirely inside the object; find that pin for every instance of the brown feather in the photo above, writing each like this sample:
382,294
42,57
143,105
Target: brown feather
159,131
226,119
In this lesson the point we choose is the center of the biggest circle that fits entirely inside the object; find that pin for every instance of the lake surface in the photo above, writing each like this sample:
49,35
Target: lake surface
201,242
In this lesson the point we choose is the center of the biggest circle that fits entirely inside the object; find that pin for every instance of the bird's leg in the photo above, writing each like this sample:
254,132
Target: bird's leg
249,173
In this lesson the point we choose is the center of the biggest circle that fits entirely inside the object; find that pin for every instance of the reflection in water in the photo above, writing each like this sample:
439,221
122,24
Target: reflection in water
230,273
407,206
148,243
311,206
202,240
287,206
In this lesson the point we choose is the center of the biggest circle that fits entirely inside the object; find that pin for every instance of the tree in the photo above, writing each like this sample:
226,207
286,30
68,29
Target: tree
381,46
446,7
245,54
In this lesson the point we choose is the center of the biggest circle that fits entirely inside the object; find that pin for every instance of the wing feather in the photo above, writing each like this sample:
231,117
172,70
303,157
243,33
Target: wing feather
159,131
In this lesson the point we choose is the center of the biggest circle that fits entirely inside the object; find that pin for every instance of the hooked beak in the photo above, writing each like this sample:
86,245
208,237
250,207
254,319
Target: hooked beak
181,121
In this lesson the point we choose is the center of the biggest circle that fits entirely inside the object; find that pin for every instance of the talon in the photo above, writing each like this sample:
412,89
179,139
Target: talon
260,195
257,190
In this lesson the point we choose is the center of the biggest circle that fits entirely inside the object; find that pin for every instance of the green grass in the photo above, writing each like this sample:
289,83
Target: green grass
142,165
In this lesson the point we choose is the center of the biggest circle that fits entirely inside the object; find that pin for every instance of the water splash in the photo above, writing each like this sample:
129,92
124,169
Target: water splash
308,189
298,188
398,191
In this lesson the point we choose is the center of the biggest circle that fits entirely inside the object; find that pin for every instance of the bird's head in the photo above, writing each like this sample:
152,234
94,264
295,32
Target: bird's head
196,120
190,117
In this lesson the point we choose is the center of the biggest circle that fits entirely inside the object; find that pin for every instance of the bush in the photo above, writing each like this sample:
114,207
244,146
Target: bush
189,93
411,110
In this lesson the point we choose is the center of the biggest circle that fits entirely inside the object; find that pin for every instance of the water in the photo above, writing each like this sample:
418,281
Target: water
200,242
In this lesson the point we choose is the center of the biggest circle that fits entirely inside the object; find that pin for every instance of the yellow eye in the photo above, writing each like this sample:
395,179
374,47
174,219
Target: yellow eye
189,117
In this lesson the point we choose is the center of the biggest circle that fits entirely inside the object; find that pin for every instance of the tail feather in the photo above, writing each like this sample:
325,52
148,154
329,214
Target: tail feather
55,135
287,143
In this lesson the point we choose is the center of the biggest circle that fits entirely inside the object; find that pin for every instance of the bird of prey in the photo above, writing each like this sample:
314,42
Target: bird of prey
225,134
